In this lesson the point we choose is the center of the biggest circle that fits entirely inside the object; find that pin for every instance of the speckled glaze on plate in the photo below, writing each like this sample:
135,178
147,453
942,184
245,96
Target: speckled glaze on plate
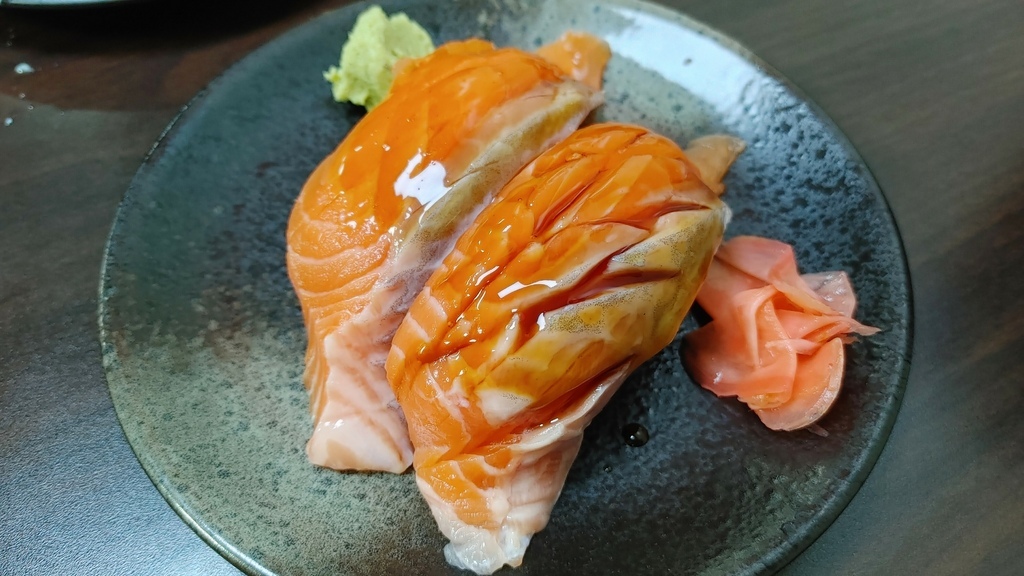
203,339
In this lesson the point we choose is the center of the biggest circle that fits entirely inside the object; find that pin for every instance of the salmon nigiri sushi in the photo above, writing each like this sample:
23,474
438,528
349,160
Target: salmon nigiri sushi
379,213
580,270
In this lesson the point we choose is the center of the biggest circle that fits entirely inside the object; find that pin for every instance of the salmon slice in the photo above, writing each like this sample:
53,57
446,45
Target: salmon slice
378,214
581,269
580,55
775,338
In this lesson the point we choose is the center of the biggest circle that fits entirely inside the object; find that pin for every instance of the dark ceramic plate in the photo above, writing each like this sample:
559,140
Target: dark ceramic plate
203,340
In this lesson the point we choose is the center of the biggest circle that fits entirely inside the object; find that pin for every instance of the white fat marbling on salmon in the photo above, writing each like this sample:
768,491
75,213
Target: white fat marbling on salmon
454,398
500,406
358,424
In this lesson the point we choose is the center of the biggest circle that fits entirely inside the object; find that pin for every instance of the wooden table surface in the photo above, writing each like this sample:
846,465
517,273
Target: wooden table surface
931,93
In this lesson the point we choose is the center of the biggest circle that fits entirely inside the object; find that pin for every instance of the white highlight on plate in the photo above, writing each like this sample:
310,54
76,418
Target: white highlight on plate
666,48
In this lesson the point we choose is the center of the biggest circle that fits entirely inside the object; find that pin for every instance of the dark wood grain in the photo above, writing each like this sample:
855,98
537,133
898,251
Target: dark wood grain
931,93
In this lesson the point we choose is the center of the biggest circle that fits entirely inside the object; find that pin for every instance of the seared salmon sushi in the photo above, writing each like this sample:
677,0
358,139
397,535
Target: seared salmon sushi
379,213
581,269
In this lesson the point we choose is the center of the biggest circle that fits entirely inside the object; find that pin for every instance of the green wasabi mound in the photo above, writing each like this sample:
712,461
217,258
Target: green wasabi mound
374,45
